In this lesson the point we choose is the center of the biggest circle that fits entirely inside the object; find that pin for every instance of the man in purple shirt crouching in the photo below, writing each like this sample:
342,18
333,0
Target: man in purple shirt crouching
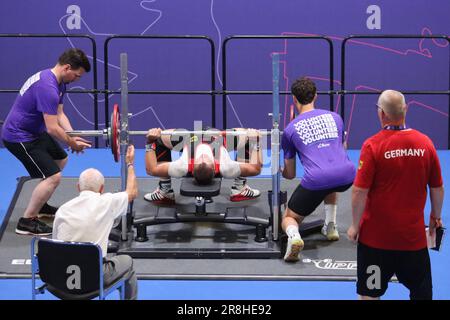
29,131
316,136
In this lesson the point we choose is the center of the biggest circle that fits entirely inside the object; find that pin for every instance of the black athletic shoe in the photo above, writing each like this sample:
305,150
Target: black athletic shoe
47,211
33,226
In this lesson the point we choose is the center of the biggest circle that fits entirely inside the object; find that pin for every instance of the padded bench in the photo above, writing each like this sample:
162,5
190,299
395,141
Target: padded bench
202,193
190,188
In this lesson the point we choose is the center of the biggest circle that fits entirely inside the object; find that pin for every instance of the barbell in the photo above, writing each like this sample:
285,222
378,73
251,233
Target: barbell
112,134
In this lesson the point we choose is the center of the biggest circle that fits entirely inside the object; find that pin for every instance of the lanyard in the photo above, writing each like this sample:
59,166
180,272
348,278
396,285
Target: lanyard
394,127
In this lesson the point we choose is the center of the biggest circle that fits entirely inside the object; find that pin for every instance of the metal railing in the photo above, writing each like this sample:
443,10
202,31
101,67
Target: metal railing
180,92
344,92
94,91
226,92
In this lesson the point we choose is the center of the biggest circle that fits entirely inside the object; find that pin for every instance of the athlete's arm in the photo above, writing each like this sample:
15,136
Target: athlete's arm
253,168
152,166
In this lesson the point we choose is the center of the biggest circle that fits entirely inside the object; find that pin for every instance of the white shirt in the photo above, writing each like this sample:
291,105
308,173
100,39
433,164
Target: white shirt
204,149
89,217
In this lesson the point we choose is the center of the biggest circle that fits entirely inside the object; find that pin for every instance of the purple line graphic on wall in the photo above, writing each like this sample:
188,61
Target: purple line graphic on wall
132,76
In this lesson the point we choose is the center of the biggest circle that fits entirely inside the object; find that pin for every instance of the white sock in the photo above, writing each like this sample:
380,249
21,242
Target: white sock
330,213
239,183
292,232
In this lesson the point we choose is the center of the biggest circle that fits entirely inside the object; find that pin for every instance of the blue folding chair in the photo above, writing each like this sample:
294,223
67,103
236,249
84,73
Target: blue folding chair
70,270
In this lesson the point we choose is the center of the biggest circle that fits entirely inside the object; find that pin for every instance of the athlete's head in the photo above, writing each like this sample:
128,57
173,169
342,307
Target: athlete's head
203,169
304,90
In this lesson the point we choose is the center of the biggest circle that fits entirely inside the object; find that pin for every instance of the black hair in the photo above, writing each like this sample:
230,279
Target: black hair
304,89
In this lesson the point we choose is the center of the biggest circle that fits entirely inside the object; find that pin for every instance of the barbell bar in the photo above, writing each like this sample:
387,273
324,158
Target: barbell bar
112,134
104,133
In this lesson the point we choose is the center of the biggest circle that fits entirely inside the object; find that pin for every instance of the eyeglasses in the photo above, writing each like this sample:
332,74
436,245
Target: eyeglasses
378,107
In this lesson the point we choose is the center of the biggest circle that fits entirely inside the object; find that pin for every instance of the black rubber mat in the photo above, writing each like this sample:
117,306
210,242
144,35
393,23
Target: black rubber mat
320,259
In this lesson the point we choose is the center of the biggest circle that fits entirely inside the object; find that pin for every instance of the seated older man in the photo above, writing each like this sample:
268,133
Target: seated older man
202,158
90,217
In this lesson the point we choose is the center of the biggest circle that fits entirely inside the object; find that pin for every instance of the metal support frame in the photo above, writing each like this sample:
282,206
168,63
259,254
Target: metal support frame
275,146
95,91
200,205
124,135
200,215
343,92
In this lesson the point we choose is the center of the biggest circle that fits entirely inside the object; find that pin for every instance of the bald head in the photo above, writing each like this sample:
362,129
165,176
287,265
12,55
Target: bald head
92,180
393,104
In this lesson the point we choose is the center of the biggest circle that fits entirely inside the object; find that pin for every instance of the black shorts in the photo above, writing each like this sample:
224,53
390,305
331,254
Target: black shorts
304,201
377,266
38,156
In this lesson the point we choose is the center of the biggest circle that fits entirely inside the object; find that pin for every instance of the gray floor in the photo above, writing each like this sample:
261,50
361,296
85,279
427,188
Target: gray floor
321,260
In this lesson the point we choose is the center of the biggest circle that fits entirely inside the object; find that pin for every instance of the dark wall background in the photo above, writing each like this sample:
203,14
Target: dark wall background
185,65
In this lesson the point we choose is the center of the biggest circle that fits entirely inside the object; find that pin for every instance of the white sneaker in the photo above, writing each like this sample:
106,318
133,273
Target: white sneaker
293,248
244,193
160,197
330,231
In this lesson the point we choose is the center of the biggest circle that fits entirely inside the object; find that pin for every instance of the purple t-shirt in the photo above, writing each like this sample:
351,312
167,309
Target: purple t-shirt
316,136
40,94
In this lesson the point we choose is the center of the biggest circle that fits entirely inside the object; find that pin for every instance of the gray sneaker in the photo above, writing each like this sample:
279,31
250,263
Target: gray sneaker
330,231
294,246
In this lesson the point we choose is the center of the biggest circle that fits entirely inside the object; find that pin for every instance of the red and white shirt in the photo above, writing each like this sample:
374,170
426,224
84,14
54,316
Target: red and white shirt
200,150
396,166
223,165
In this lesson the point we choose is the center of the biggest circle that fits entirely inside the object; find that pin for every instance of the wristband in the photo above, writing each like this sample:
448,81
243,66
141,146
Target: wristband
150,146
129,165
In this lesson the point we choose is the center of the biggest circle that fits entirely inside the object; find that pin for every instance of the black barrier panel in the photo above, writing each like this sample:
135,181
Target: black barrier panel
343,92
187,92
226,92
94,67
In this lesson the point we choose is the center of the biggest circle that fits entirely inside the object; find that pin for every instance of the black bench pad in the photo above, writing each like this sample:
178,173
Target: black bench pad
190,188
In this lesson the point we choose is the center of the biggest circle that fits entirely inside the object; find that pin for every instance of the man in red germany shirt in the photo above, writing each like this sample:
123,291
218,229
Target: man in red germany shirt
388,199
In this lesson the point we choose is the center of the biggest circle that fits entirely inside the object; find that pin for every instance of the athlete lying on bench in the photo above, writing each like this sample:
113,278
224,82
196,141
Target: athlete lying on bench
203,158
